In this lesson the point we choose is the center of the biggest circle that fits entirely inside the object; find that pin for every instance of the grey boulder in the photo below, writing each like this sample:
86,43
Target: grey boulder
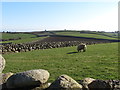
65,82
99,85
2,63
28,78
3,79
86,81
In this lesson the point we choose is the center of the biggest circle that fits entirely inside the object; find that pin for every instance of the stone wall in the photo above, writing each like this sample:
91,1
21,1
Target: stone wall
38,80
8,48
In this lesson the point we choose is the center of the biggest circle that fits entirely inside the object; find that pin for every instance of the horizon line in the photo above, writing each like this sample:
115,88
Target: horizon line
58,30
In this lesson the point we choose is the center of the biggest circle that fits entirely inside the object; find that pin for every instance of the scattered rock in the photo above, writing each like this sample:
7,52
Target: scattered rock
86,81
3,79
28,78
114,84
2,63
5,76
99,85
65,82
42,86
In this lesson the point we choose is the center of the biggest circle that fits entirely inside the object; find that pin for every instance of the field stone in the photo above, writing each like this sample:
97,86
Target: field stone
115,84
65,82
28,78
99,85
2,63
3,78
42,86
86,81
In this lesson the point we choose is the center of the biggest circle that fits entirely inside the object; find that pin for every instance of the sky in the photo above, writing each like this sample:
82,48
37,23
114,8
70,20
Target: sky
39,16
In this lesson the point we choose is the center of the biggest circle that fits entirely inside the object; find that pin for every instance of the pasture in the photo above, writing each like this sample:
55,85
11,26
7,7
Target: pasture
91,34
100,61
24,37
35,36
16,35
24,40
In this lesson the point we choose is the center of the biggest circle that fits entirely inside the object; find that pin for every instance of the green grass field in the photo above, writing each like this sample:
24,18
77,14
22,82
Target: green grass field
17,35
91,35
100,61
29,37
24,40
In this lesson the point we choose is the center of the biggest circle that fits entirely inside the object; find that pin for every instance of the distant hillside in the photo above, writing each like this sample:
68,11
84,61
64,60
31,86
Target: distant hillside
19,37
91,34
25,37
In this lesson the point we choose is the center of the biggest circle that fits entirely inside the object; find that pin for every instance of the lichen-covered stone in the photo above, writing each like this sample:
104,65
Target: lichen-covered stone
3,79
28,78
86,81
5,76
2,63
65,82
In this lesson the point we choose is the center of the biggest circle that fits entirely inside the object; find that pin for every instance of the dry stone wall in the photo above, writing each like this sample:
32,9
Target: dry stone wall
8,48
38,80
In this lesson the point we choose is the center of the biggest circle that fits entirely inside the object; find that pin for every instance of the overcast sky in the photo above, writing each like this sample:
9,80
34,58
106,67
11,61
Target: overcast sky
38,16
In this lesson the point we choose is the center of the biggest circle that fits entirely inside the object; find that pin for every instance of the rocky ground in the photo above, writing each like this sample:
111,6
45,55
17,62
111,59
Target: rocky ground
38,80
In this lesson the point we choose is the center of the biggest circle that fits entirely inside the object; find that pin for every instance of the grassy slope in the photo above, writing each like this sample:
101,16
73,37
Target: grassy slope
112,34
95,35
25,40
100,61
28,37
8,35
